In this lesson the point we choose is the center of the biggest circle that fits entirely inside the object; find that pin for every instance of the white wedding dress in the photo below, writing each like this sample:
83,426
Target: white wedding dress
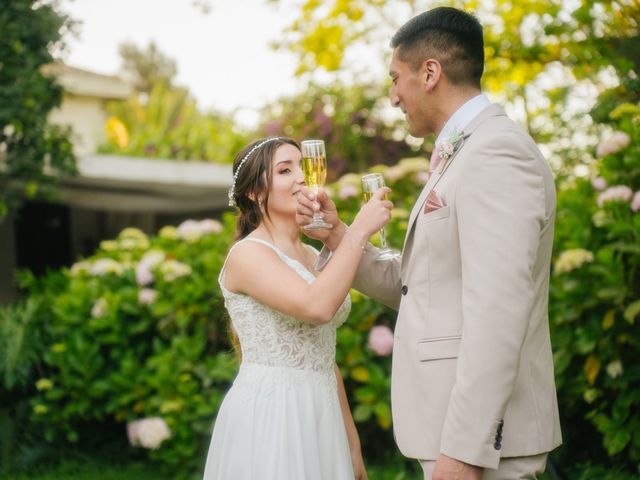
281,419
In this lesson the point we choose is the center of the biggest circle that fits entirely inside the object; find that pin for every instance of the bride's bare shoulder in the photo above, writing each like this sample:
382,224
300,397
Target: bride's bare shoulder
249,253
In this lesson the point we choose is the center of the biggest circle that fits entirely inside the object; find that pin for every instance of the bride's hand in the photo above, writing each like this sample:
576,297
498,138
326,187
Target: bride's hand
374,214
359,471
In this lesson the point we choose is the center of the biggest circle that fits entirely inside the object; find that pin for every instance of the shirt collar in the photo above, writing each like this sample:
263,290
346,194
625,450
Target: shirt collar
463,116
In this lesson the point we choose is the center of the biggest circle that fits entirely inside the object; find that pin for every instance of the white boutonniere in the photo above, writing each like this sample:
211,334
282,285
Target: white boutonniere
447,148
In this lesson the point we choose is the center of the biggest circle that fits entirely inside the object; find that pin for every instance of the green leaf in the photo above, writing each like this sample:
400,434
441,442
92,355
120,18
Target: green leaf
617,441
383,415
362,413
632,311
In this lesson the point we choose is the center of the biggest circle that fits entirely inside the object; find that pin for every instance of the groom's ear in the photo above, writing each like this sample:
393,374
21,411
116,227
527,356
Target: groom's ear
430,72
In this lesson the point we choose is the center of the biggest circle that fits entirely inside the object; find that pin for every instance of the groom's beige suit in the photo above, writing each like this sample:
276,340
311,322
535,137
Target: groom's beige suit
472,373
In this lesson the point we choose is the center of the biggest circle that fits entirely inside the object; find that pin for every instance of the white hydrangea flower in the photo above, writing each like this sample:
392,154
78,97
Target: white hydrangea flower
210,226
571,259
103,266
148,432
614,369
350,178
169,232
131,243
348,191
132,232
99,308
153,257
9,130
172,269
108,245
635,202
189,230
80,267
414,164
395,172
147,296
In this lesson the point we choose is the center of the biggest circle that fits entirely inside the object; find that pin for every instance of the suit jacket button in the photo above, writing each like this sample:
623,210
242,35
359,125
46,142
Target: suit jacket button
404,289
497,445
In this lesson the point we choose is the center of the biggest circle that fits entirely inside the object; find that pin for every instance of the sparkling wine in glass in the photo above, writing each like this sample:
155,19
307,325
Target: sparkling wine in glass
371,183
314,169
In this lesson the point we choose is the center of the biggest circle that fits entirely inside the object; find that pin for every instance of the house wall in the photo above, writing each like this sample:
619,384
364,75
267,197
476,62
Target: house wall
86,116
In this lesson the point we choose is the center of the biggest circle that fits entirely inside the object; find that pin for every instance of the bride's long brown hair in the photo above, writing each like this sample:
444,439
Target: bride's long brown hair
251,194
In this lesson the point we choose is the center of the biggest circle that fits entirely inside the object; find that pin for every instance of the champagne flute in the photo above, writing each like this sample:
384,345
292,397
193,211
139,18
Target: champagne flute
314,169
371,183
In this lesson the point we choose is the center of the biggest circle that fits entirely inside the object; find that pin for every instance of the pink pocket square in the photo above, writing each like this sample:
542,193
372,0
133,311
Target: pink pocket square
433,202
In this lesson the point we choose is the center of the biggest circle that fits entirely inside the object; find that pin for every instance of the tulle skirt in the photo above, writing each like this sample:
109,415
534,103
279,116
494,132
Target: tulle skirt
280,423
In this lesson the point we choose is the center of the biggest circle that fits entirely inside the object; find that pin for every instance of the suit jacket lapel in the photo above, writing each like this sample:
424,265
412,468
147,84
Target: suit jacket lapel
491,111
431,183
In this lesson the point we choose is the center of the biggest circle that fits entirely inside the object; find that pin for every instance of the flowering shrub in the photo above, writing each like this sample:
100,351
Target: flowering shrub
138,331
137,338
595,300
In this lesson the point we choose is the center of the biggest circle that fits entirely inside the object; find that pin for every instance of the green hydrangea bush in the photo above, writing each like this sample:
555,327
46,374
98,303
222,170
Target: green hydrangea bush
135,337
595,300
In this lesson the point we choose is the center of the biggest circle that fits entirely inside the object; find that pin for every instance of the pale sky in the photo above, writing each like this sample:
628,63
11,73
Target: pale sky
223,57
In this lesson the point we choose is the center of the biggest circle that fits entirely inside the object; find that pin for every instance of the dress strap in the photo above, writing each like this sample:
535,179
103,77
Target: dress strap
263,242
257,240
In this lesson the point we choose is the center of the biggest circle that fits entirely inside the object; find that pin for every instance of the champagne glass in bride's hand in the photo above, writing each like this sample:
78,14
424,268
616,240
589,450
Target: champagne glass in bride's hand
370,184
314,169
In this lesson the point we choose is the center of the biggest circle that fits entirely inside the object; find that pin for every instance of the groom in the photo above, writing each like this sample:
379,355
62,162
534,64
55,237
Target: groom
473,392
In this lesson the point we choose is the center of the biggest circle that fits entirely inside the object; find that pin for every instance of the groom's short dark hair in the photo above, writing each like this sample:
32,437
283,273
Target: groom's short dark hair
449,35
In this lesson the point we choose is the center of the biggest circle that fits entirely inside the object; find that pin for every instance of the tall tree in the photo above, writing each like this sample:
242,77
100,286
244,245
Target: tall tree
146,68
33,153
541,55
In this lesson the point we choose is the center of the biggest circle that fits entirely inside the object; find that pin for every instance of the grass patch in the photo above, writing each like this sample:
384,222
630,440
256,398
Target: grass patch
91,470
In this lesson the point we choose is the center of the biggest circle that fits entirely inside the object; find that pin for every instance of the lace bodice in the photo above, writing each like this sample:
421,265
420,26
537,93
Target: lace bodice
270,338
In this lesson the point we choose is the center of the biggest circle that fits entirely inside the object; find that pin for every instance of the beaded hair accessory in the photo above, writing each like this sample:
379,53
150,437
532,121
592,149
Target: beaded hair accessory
232,193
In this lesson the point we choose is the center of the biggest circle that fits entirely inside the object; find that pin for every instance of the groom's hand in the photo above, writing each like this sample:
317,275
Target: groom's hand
308,203
448,468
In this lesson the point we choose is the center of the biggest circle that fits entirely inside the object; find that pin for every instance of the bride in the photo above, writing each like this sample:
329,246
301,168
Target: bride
286,417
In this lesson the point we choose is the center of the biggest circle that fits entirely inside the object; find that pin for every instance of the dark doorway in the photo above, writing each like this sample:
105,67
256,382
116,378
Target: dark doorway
42,237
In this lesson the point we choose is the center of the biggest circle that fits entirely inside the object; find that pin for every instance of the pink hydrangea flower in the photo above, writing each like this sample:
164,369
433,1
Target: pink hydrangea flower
210,226
617,142
635,202
144,276
147,296
395,172
599,183
381,340
347,191
617,193
189,230
148,432
422,178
